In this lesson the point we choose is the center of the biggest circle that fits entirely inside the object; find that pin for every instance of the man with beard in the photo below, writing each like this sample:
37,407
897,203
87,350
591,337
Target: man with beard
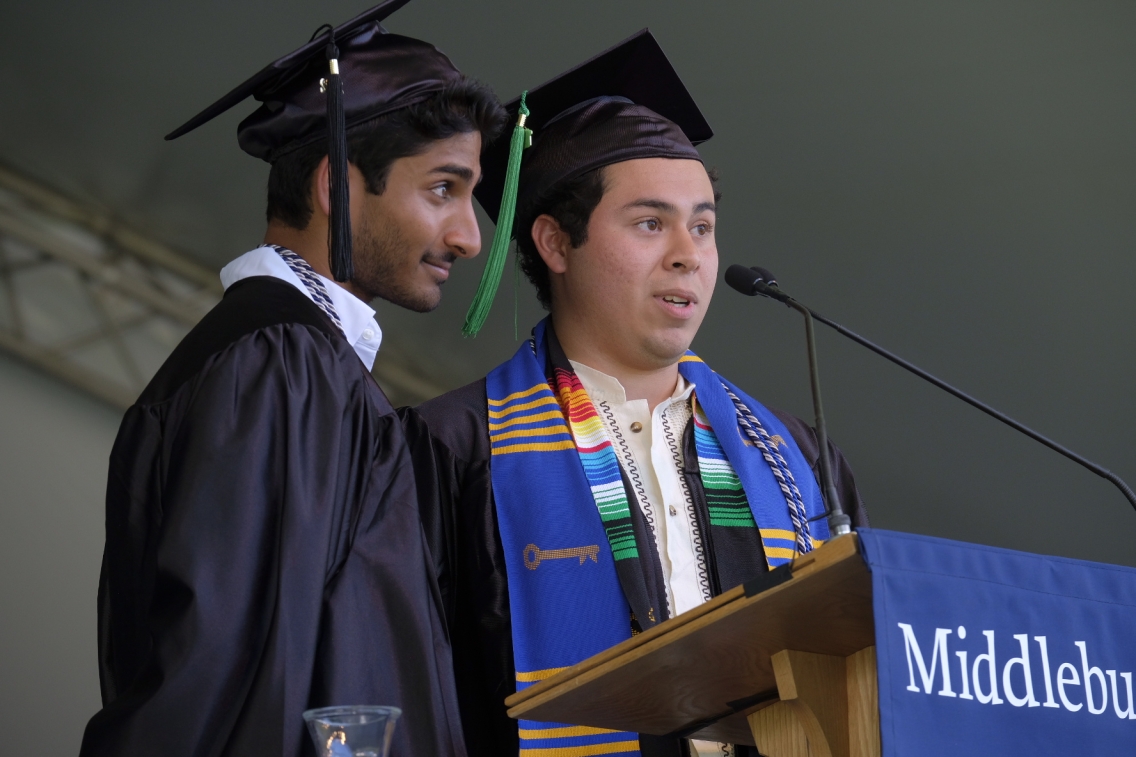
264,549
605,478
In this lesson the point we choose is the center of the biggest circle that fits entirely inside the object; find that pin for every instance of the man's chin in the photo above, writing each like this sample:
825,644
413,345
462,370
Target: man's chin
418,300
668,348
421,304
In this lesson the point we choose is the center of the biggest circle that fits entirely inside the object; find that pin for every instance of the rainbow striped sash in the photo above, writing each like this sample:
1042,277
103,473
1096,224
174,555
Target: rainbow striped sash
601,466
725,498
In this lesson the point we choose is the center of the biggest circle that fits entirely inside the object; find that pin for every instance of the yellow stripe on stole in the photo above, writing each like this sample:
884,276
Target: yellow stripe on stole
526,419
537,675
786,534
691,359
590,426
542,431
526,406
561,733
518,395
535,447
788,554
613,747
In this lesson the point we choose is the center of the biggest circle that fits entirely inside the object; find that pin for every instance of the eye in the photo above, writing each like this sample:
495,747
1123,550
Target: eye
441,190
651,224
703,229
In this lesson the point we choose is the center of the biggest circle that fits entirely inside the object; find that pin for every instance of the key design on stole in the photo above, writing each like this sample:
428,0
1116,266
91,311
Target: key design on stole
534,555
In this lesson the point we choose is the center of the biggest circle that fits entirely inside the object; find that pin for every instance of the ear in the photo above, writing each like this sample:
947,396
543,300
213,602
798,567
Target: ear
320,192
551,242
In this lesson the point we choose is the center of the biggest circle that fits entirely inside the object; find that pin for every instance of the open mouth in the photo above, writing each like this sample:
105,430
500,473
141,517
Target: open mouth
680,306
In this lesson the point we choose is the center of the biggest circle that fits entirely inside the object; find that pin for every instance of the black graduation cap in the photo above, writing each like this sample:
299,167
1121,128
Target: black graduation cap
344,76
626,103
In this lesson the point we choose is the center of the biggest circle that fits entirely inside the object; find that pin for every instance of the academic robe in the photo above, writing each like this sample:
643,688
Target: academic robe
264,552
449,439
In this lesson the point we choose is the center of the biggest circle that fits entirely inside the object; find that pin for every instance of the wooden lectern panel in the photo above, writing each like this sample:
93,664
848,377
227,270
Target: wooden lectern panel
713,665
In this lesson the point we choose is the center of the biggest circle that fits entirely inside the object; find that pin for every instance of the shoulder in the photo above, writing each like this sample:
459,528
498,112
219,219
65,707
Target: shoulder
803,434
843,477
256,303
259,305
458,419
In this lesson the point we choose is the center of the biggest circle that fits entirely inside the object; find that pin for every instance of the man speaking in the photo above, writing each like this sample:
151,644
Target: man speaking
264,550
605,478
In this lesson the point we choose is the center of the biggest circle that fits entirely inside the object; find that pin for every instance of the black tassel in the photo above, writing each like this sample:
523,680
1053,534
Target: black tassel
339,224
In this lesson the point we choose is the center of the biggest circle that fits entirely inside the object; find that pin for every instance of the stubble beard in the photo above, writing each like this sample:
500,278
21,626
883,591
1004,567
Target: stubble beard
381,257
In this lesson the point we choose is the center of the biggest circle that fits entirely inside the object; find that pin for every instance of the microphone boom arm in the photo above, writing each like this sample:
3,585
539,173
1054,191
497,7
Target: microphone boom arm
1089,464
775,293
838,521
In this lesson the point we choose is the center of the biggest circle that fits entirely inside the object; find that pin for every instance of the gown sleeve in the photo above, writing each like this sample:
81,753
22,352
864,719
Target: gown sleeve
248,478
449,442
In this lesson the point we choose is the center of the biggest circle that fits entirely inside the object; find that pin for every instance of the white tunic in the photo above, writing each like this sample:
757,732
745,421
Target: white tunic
649,447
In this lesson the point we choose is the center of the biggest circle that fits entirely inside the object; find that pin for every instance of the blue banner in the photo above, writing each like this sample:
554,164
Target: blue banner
987,651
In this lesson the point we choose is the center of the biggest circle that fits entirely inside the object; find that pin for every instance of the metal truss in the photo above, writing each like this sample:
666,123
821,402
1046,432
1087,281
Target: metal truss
101,306
88,299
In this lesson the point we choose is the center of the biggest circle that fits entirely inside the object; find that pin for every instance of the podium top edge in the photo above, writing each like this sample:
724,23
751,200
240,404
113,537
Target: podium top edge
831,555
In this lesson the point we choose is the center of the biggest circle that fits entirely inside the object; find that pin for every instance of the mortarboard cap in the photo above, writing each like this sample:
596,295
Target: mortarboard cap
380,72
343,77
626,103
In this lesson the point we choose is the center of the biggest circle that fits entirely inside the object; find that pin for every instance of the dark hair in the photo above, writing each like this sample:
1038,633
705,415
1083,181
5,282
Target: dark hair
571,203
373,146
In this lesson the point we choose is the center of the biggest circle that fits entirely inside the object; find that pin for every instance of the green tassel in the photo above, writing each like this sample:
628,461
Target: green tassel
498,251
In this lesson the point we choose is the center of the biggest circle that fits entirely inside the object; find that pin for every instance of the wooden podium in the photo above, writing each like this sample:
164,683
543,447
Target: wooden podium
786,662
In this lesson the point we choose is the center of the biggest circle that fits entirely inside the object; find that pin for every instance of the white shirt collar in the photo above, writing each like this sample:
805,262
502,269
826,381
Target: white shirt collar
604,388
358,318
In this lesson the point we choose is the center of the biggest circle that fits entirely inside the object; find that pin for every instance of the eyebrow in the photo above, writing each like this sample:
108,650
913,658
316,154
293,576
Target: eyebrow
665,207
660,205
462,172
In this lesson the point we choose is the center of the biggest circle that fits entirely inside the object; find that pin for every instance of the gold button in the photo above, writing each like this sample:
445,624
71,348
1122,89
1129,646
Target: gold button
636,427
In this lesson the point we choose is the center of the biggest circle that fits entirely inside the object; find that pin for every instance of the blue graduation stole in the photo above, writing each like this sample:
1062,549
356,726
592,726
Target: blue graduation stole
565,596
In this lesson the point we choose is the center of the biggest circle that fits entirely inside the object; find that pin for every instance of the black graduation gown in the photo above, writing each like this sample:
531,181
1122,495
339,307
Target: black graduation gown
264,550
449,439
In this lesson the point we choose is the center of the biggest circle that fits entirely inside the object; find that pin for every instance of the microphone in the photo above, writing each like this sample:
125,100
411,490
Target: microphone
751,281
759,281
747,280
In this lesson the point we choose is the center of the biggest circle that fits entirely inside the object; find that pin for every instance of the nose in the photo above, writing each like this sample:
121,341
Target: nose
463,237
683,254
